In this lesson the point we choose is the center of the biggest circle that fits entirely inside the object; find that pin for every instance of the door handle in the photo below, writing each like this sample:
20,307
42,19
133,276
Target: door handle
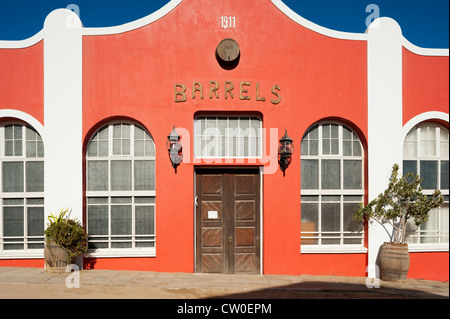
229,242
196,201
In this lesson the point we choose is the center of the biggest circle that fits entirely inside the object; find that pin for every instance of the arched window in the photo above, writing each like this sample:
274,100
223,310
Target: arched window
425,152
120,190
22,189
332,185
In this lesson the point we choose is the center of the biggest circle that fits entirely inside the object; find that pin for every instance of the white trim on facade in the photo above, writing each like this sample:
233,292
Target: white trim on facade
22,43
63,109
134,24
25,117
315,27
333,249
385,107
422,118
424,51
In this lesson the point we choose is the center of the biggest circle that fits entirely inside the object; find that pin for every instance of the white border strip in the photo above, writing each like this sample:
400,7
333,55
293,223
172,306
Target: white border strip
422,118
22,43
134,24
424,51
315,27
26,118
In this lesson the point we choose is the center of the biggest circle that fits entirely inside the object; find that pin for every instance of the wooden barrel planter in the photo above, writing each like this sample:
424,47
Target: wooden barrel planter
394,261
56,259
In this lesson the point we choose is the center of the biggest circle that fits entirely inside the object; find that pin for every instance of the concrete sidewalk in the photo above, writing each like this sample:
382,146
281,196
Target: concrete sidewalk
36,283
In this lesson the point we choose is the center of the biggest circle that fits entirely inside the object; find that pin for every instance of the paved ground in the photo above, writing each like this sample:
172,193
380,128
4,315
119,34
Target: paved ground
36,283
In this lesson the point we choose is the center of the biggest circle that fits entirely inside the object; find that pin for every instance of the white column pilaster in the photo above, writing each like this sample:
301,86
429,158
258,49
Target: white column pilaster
63,112
385,143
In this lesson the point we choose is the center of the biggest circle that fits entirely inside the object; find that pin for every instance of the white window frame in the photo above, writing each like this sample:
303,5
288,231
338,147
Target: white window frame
133,194
441,245
333,248
199,136
26,252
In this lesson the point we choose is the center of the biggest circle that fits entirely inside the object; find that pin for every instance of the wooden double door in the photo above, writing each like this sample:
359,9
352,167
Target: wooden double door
228,221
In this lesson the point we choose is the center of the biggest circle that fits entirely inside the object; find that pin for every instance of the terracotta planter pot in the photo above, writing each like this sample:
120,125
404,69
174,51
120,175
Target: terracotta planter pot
394,261
55,257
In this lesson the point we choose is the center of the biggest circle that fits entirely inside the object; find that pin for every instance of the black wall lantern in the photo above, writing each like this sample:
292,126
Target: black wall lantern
174,147
285,149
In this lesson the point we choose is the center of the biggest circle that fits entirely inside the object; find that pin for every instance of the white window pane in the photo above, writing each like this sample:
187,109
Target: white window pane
410,167
117,147
31,149
138,133
35,221
310,174
17,147
121,175
9,148
35,176
326,147
31,135
227,136
330,216
145,220
9,132
126,129
331,174
351,224
126,150
139,148
428,171
334,146
103,148
444,175
121,219
352,174
144,175
357,151
149,147
93,149
103,133
98,220
97,175
13,177
40,149
117,131
17,132
347,148
444,142
13,218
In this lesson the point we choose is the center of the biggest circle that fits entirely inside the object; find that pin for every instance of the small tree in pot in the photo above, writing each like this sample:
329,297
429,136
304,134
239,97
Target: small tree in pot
65,240
401,201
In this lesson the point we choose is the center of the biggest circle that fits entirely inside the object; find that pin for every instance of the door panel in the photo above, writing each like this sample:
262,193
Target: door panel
228,221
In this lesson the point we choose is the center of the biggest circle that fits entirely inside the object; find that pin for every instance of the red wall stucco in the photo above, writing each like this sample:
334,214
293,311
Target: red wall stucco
133,75
22,80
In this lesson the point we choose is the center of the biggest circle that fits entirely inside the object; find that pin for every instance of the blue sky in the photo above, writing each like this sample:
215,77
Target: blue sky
423,23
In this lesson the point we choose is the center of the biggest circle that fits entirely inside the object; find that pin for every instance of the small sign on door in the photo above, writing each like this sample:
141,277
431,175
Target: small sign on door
212,214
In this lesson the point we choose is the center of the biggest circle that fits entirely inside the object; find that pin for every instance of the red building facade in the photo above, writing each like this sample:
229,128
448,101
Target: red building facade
104,100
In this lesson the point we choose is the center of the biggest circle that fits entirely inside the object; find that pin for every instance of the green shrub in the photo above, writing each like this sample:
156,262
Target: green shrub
67,233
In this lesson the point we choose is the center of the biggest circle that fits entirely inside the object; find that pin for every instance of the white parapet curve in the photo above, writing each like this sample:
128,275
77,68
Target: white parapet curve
315,27
134,24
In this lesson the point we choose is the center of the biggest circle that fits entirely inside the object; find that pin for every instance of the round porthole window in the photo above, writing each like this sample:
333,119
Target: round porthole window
228,53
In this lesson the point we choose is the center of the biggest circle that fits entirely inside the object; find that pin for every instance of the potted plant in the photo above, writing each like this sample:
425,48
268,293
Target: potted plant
402,200
65,240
